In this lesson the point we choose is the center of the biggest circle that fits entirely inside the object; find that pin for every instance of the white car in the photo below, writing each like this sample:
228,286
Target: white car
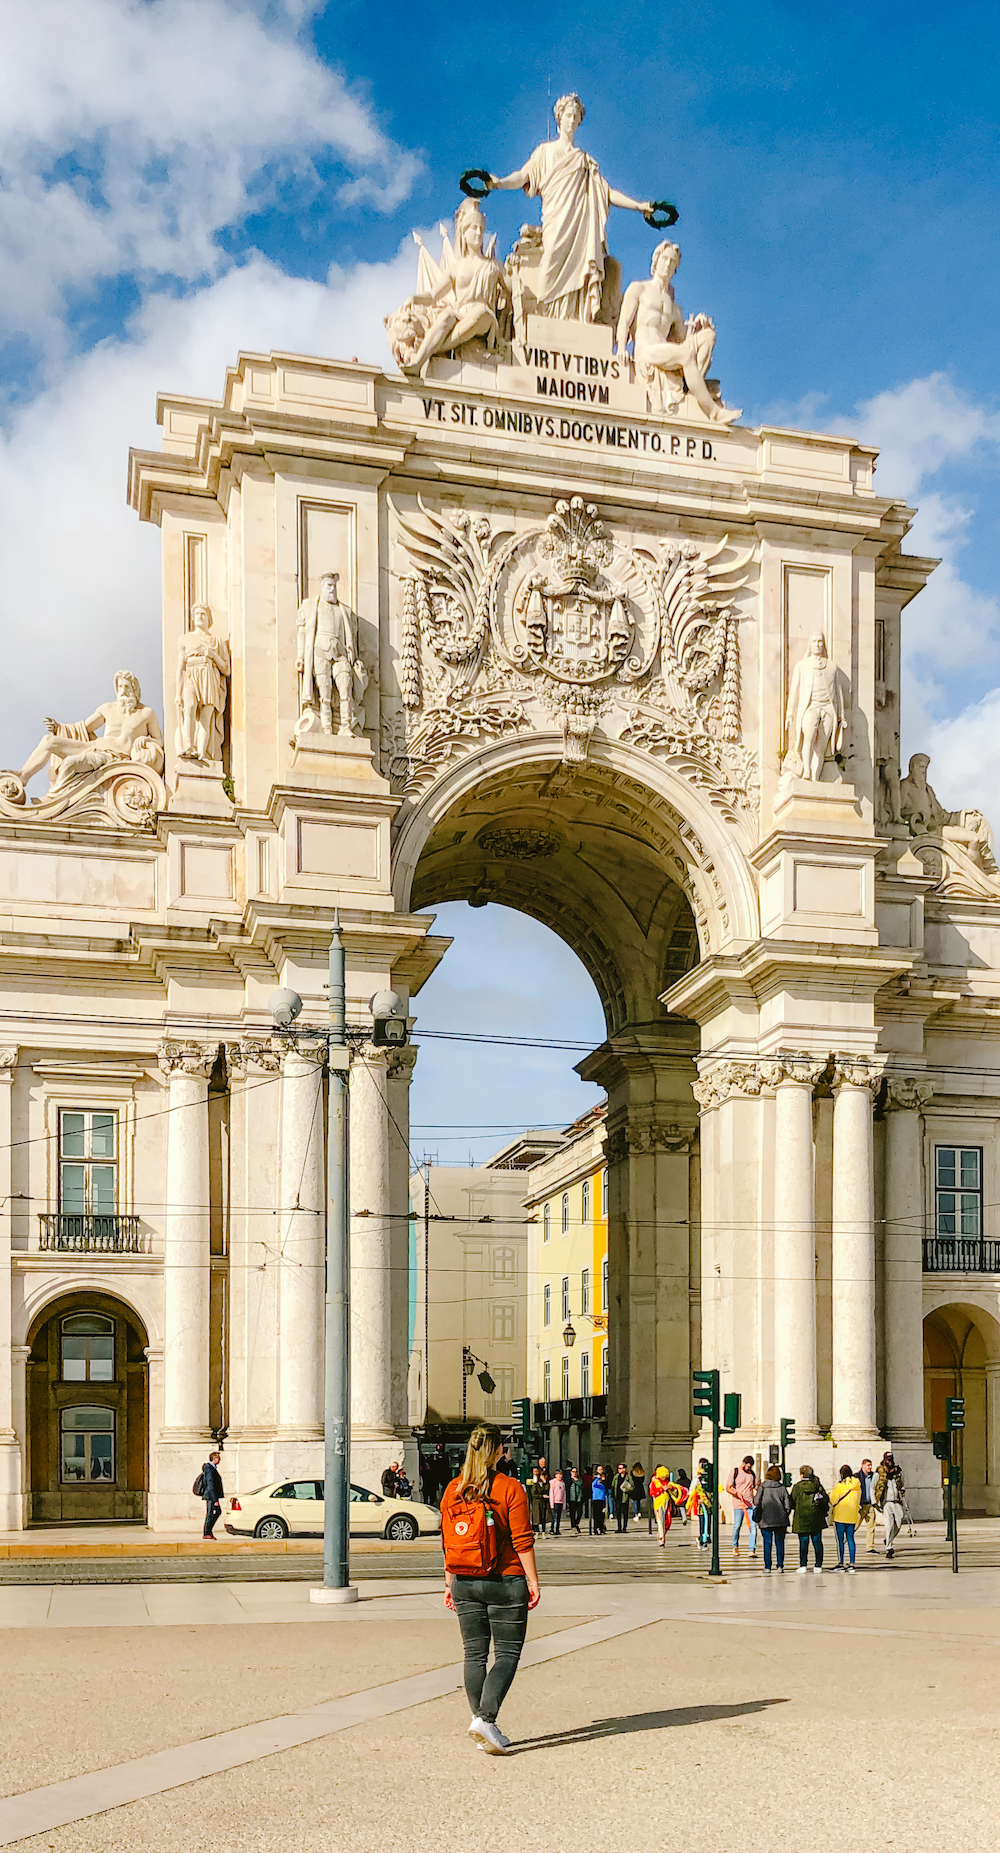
294,1509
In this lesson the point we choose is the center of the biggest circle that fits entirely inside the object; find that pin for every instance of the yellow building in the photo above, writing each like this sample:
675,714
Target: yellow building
567,1206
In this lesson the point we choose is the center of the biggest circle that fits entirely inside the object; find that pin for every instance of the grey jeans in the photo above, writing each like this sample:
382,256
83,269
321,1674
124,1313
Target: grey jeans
490,1607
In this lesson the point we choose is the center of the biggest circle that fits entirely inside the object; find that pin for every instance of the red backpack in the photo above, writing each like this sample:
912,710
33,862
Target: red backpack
469,1537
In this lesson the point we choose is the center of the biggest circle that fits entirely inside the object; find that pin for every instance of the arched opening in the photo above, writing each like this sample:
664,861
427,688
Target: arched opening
612,866
88,1412
962,1358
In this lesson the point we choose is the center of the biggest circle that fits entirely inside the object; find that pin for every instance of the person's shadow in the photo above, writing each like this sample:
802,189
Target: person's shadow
642,1721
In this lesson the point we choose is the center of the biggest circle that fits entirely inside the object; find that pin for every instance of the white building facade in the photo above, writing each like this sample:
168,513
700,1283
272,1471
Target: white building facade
543,624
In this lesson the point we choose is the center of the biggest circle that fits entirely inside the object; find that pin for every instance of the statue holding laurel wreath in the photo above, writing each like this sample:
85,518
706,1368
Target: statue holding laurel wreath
575,200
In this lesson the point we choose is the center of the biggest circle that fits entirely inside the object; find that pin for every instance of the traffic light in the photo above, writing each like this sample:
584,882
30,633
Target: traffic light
787,1432
942,1445
732,1410
955,1413
522,1416
705,1397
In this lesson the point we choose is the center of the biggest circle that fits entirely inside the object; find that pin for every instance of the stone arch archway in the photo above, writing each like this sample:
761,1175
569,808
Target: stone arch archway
962,1358
87,1410
635,870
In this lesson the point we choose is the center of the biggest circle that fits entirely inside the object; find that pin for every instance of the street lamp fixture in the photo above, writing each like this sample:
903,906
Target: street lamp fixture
569,1335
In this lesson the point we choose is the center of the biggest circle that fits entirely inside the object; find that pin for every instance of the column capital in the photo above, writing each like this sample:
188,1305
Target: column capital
196,1059
8,1062
798,1068
309,1049
402,1063
904,1093
860,1071
365,1055
718,1081
258,1052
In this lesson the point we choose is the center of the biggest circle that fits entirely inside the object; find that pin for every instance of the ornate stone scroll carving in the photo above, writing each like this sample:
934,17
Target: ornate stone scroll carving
461,306
203,666
111,778
194,1058
816,716
905,1094
260,1053
8,1059
858,1071
719,1081
644,643
672,353
955,848
328,662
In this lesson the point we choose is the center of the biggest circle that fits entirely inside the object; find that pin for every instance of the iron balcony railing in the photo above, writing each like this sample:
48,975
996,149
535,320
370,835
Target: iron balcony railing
91,1235
961,1254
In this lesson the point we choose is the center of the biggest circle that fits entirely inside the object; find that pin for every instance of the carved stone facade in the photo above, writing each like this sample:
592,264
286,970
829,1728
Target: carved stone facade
574,663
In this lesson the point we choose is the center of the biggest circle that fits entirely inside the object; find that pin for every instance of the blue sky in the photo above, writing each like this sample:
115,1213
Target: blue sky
183,178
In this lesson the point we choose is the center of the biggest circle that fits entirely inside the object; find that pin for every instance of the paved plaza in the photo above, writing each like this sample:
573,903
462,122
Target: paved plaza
650,1704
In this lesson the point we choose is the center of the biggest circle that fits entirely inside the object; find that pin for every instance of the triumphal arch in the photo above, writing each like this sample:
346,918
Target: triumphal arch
528,615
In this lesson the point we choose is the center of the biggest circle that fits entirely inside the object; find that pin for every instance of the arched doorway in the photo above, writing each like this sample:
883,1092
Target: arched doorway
962,1358
88,1412
602,852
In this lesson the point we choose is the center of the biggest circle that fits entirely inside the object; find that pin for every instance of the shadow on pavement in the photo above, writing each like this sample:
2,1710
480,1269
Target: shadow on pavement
642,1721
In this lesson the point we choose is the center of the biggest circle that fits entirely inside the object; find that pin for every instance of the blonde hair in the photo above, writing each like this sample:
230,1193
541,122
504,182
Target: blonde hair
485,1447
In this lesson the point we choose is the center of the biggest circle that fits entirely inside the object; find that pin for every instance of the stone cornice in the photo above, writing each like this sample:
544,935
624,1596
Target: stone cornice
770,966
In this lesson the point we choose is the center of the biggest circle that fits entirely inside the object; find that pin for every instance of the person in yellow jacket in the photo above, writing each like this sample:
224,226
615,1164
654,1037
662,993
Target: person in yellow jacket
659,1491
845,1510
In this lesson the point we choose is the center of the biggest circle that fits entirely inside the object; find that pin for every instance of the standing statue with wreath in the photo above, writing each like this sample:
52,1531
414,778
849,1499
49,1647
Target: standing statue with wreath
575,197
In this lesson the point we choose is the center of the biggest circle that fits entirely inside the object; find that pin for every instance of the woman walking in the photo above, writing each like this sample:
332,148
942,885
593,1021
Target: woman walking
598,1502
557,1499
772,1510
845,1510
538,1497
574,1500
742,1489
490,1579
638,1488
659,1492
810,1505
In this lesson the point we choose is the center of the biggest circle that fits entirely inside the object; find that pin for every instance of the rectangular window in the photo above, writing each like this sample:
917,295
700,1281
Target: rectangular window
564,1380
499,1404
547,1304
604,1193
585,1290
585,1201
504,1267
88,1445
547,1381
88,1153
958,1190
546,1222
565,1296
565,1212
604,1285
585,1372
503,1321
604,1370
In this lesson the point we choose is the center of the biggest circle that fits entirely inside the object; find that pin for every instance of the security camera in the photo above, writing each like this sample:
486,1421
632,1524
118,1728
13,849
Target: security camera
389,1024
284,1006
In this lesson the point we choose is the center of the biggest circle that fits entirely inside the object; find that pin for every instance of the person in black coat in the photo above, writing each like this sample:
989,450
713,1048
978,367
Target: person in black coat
213,1495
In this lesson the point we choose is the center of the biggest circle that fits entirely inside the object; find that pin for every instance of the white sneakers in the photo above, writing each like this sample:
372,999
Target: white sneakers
491,1740
803,1570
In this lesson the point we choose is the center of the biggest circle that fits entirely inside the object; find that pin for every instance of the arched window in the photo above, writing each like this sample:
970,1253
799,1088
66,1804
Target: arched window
88,1349
585,1200
565,1212
546,1222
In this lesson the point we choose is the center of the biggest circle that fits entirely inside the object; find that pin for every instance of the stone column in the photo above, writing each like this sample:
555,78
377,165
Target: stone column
11,1512
301,1243
400,1074
904,1280
853,1252
186,1249
795,1245
371,1293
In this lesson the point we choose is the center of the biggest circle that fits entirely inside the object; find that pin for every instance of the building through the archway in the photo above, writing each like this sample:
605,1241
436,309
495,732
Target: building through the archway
536,620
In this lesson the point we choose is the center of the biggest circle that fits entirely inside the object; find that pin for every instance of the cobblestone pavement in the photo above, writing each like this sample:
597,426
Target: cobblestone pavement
561,1560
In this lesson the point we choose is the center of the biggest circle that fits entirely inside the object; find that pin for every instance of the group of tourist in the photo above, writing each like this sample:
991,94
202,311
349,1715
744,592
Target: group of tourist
771,1509
593,1492
395,1483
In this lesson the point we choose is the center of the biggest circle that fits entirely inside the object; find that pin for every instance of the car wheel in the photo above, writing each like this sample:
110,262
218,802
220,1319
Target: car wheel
271,1528
401,1529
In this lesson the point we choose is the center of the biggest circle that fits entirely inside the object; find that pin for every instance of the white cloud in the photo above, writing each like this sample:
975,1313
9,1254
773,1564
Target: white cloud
131,134
80,593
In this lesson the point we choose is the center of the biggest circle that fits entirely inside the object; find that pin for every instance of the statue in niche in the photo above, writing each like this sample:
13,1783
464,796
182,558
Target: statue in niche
569,283
888,800
203,667
327,659
671,354
73,748
465,298
815,718
926,816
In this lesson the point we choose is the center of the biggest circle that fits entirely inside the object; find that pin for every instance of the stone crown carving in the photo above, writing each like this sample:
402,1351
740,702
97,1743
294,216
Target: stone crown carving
906,1094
